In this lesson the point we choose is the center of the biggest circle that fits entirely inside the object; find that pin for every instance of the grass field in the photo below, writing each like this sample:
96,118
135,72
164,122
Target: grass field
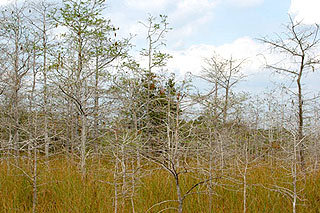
62,189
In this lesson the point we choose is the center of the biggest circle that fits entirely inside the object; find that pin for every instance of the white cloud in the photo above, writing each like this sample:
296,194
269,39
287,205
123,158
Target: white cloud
242,47
191,27
191,9
306,11
191,15
256,56
185,16
191,59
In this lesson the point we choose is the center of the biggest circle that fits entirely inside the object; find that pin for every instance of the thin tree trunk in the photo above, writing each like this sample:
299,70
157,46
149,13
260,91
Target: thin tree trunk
35,184
300,127
124,176
45,92
215,100
116,187
96,102
83,151
180,198
245,178
15,93
133,182
294,174
176,133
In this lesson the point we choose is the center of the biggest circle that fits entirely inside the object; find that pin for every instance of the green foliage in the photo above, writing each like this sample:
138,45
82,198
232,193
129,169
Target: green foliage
153,100
88,31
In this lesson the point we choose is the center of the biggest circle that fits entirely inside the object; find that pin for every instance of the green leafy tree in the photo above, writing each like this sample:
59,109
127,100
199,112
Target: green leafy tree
87,47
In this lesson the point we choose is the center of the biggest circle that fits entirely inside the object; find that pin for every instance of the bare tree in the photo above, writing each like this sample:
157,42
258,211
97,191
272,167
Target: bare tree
17,48
41,22
299,43
221,74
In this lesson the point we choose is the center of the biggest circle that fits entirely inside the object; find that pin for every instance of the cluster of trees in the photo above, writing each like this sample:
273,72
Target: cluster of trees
70,86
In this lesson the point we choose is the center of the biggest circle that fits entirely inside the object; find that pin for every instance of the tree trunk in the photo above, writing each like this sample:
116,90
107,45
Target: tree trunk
34,181
180,198
96,103
300,124
83,153
45,93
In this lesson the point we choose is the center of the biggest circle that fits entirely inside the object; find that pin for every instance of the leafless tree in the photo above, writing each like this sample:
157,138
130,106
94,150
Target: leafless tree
221,74
299,44
41,22
16,46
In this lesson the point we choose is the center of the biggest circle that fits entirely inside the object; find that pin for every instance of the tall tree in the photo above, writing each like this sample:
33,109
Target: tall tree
85,26
42,24
222,75
16,46
299,44
156,59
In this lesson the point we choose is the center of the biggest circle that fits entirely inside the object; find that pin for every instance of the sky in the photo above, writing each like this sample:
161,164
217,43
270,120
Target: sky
227,27
202,27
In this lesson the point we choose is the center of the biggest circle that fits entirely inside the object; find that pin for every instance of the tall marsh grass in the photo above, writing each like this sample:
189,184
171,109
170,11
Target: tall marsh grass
62,189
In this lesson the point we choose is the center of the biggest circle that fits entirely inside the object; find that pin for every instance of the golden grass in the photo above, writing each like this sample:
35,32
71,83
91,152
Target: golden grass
61,189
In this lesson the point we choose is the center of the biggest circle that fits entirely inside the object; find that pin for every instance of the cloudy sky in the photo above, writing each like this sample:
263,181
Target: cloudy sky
228,27
201,27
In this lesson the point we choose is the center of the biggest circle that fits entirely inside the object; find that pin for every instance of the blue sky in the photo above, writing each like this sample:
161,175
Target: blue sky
227,27
213,22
